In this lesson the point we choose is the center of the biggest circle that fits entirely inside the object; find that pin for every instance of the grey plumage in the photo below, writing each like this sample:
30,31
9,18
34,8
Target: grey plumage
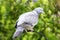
27,21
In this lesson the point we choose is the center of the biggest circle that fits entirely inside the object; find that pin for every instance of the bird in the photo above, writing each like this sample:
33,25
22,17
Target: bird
27,21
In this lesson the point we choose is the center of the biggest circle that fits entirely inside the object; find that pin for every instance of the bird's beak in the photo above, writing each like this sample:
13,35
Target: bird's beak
42,12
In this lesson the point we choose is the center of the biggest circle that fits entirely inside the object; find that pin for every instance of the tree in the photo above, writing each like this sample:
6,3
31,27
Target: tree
48,24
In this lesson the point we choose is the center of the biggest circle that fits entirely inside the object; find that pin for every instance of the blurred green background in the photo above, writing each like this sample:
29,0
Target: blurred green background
48,24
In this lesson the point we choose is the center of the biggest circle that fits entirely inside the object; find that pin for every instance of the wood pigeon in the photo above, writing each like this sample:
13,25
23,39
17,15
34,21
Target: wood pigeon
27,21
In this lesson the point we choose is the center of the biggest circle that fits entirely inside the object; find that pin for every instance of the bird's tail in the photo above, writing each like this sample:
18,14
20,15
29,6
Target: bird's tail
18,32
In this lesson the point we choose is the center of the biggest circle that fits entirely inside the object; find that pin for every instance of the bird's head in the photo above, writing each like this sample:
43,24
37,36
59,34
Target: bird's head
39,10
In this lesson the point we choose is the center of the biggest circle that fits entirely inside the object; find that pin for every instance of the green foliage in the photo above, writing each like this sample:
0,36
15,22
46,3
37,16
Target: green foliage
48,23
